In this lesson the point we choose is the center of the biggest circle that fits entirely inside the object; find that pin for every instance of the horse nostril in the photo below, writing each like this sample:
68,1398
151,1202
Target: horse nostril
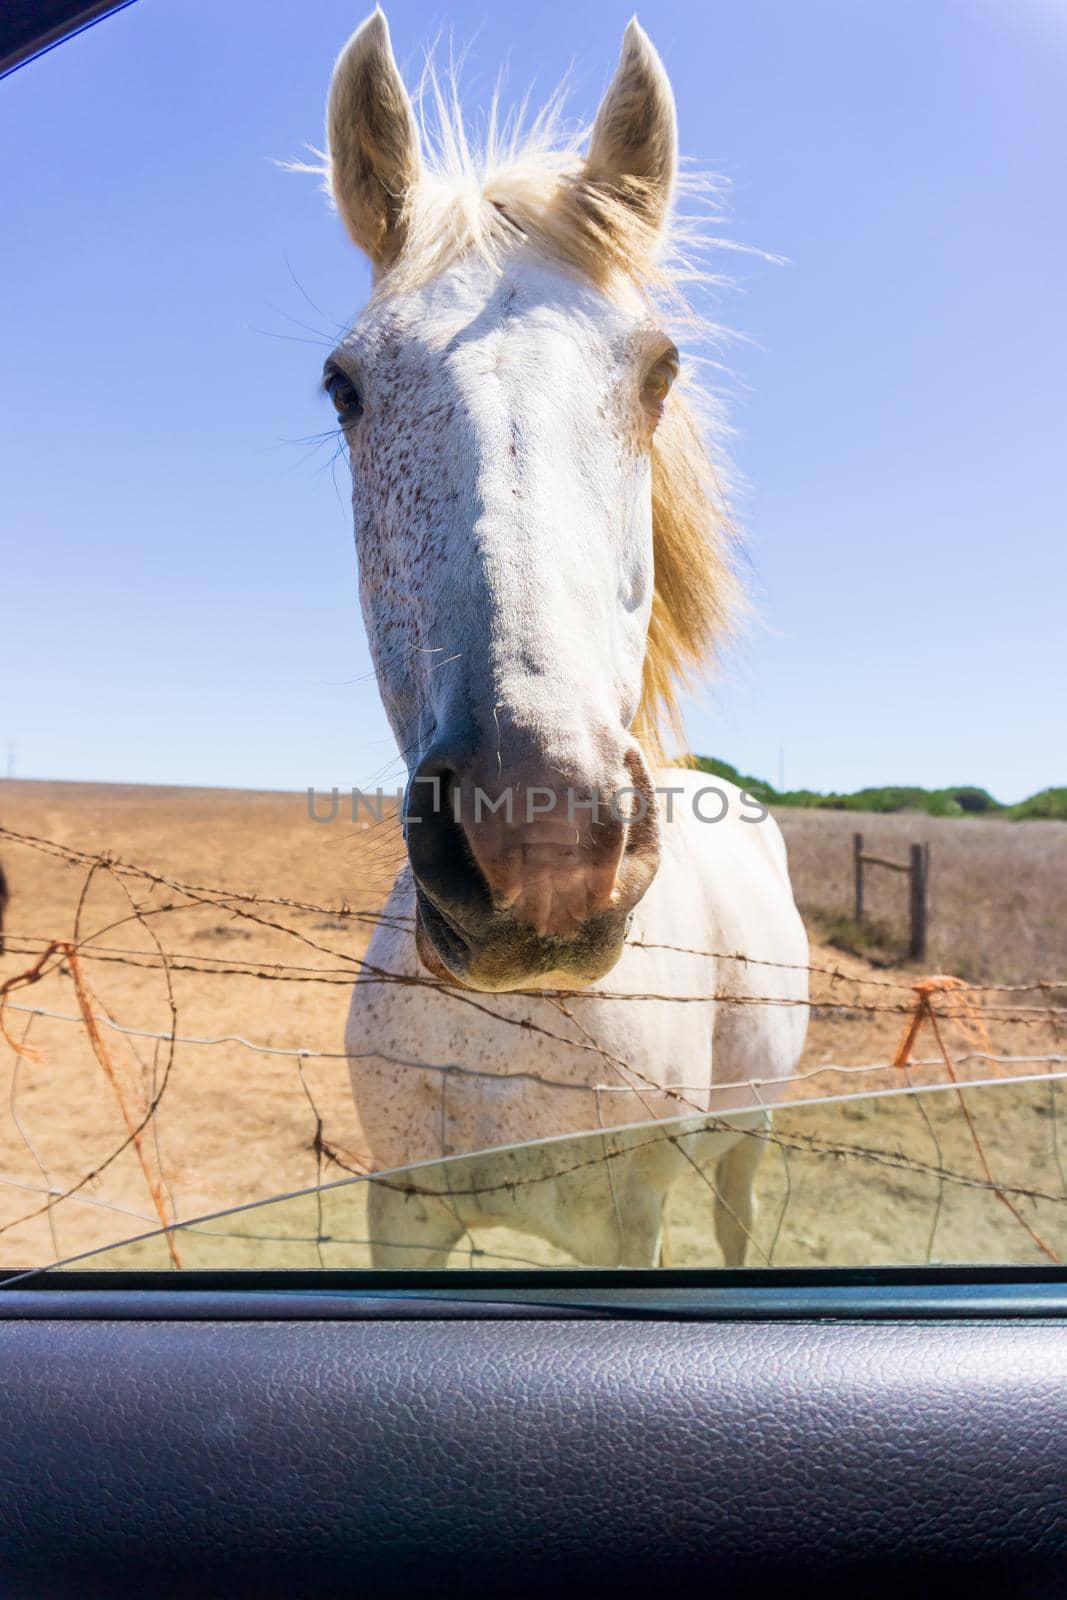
438,849
429,792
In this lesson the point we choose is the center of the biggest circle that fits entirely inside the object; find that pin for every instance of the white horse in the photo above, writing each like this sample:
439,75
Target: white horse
543,555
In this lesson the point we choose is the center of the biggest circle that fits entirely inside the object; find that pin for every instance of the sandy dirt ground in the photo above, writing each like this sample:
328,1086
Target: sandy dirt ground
891,1179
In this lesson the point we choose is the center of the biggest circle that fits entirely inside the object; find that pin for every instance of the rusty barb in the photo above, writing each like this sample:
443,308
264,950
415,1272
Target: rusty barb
967,1011
135,1130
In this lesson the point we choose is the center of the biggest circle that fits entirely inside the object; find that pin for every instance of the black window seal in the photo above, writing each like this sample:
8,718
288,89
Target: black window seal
761,1294
30,28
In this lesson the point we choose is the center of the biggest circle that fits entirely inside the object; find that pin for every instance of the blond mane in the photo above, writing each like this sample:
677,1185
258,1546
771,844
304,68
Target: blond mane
522,184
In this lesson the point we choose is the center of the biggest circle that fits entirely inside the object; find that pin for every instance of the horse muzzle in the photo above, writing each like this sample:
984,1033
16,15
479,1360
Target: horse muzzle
527,881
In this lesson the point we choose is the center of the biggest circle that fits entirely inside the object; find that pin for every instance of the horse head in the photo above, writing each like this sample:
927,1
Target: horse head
504,398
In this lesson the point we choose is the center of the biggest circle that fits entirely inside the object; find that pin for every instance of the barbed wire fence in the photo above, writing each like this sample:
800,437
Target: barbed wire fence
956,1017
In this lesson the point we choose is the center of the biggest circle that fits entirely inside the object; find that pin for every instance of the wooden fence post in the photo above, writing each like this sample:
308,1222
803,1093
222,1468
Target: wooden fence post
857,857
918,881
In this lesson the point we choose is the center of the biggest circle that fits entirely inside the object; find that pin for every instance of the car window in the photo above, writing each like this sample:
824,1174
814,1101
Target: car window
850,1181
501,770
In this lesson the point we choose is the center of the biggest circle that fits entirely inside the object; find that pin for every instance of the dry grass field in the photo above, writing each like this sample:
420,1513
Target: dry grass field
248,986
997,888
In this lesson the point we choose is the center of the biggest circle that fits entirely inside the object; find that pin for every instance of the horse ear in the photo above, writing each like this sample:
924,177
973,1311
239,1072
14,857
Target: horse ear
633,149
373,142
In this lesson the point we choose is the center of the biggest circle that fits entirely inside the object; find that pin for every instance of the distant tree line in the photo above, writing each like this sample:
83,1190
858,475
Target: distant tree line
964,800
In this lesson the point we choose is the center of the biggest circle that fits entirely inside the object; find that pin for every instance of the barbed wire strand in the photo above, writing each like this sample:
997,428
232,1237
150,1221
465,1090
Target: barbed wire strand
202,894
302,1052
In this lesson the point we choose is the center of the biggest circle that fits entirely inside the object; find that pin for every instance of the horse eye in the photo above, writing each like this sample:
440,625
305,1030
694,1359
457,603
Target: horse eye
658,379
344,394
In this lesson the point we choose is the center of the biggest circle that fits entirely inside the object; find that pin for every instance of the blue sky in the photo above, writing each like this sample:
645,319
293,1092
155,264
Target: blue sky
180,596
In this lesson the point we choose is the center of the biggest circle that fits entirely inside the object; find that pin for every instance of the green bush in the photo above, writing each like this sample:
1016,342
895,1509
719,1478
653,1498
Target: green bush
965,800
1049,805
